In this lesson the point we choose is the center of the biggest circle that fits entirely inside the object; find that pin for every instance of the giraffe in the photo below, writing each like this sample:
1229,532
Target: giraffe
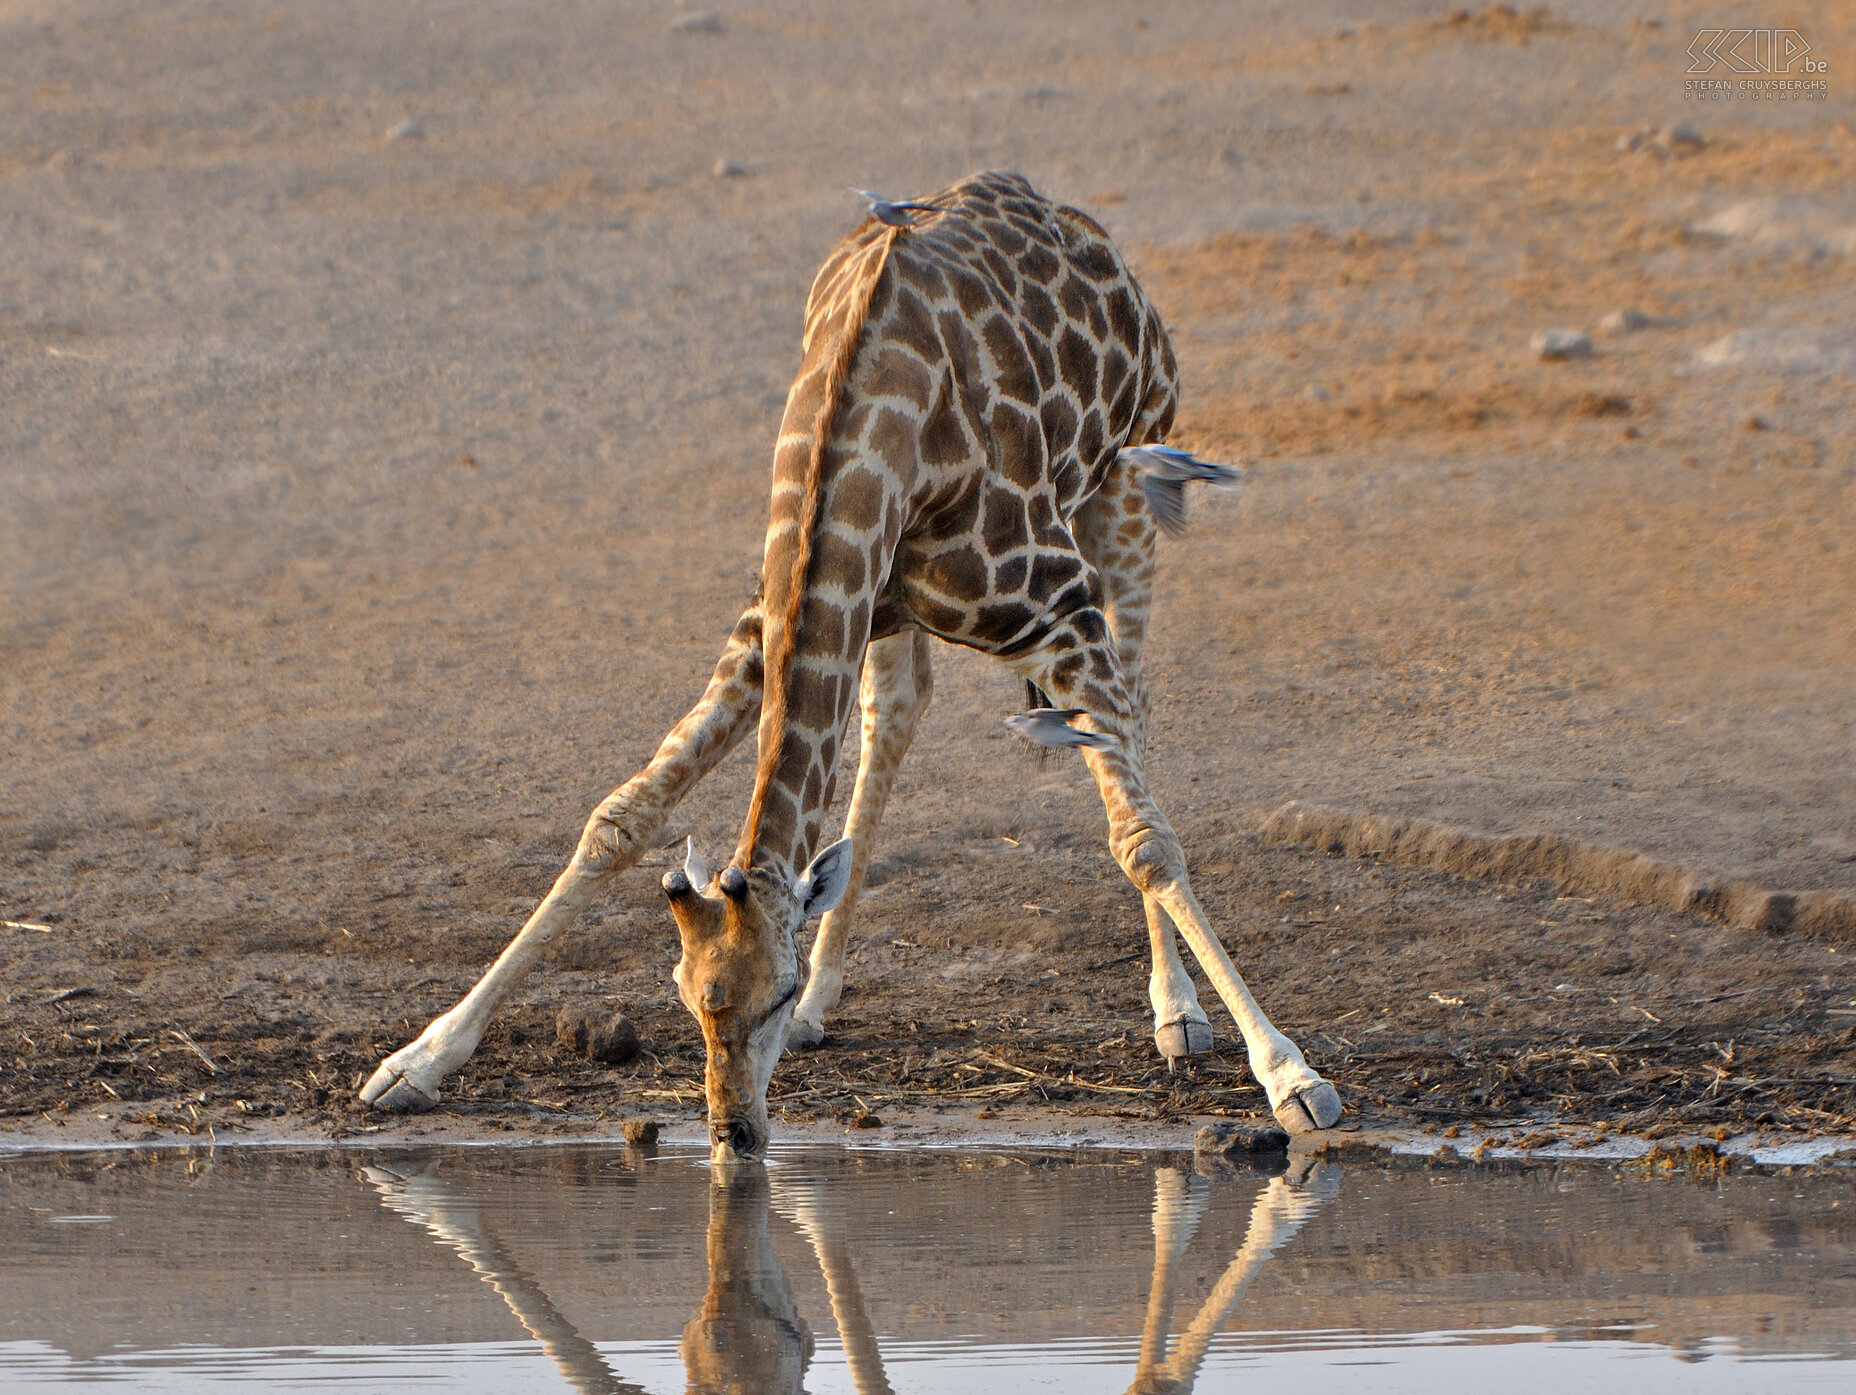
966,454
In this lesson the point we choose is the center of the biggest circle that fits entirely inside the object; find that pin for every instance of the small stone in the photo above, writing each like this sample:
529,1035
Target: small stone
699,22
1754,424
1633,141
1680,134
1315,393
608,1038
864,1119
407,130
1623,322
729,169
639,1133
1558,345
1230,1140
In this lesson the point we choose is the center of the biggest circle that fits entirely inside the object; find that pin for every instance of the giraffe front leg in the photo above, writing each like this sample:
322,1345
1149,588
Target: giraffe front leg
618,832
898,684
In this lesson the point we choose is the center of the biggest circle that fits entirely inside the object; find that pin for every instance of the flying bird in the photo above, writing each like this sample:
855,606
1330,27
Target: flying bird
1050,726
892,213
1165,473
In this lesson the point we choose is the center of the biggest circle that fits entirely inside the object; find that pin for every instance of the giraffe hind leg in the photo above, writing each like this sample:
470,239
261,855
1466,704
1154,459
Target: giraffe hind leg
1114,530
1181,1028
1148,850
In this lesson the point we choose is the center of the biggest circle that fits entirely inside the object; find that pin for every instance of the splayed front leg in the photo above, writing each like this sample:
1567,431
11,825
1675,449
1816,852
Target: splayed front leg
623,827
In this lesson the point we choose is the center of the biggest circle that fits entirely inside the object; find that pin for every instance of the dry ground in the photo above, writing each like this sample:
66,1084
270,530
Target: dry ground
369,507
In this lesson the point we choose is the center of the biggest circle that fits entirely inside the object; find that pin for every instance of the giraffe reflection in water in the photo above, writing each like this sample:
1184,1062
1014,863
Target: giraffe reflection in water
748,1336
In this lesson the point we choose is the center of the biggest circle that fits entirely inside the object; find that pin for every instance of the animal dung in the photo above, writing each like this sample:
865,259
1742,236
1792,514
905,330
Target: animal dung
1230,1140
612,1038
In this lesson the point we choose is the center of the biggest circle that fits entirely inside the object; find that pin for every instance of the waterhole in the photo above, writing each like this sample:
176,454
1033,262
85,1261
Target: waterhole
610,1270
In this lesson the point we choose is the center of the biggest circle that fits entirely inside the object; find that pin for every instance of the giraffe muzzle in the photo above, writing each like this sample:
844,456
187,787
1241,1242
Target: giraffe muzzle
738,1136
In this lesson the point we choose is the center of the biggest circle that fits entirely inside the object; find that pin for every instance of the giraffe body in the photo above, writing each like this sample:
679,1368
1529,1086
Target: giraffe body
953,462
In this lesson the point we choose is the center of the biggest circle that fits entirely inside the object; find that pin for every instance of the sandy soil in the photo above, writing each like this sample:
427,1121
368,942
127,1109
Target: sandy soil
369,506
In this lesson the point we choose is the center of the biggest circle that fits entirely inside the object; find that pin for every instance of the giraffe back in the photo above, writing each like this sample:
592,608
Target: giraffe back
964,388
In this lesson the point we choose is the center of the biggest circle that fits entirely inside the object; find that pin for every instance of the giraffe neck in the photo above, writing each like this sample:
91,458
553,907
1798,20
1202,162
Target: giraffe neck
817,612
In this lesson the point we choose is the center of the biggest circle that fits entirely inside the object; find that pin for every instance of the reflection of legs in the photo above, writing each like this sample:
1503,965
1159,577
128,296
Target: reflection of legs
1279,1211
897,686
1179,1203
1115,531
747,1335
620,829
425,1200
1076,666
861,1353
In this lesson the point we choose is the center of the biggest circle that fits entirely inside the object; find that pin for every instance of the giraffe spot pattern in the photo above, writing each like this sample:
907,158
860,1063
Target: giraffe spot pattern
1005,355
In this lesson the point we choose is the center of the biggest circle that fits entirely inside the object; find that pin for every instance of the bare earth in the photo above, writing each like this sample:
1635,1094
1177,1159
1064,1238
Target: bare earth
370,506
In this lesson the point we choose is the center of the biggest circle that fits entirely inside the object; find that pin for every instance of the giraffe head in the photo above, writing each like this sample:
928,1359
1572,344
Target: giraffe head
740,975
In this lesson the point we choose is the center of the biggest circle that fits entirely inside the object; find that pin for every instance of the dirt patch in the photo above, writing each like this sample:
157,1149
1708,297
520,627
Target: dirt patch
1429,999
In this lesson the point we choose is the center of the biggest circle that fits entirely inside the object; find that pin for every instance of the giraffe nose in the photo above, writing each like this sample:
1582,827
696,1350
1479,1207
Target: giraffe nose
739,1136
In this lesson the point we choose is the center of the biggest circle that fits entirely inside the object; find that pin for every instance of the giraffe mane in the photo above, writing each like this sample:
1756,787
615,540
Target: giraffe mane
781,639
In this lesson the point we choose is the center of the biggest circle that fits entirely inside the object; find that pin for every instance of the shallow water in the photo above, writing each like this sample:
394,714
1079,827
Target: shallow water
598,1270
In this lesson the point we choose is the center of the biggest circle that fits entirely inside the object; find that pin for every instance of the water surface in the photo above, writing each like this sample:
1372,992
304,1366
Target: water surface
598,1269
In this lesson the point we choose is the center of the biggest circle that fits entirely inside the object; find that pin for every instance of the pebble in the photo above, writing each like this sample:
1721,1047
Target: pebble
1557,345
1315,392
407,130
701,22
729,169
610,1038
1623,322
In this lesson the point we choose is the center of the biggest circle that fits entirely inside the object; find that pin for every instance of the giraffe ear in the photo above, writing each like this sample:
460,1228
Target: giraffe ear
694,867
824,883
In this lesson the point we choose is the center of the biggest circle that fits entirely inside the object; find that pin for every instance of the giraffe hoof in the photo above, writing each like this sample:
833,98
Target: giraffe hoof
1309,1109
402,1097
1185,1037
802,1035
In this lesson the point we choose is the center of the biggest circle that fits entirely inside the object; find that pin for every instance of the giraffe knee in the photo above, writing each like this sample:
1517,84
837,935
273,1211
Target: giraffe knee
1151,860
